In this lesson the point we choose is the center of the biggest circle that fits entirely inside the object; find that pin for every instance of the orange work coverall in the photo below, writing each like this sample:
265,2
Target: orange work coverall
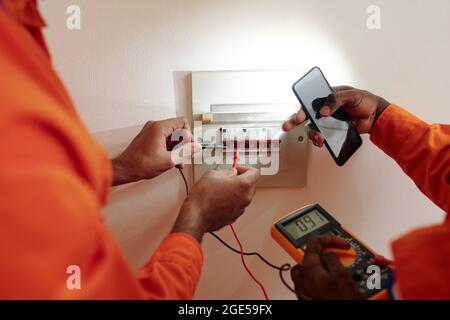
54,180
422,258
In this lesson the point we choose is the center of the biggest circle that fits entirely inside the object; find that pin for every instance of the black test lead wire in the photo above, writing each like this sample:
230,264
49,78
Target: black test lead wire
284,268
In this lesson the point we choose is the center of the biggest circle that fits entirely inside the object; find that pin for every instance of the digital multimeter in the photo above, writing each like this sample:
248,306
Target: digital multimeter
295,230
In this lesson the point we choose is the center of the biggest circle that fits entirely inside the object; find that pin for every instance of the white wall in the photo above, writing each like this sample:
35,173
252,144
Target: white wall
127,65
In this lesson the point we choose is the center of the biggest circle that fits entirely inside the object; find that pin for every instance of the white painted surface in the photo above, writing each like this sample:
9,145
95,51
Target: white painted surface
127,65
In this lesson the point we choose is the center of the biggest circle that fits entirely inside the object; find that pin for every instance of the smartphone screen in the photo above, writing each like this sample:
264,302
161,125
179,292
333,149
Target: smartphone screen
341,136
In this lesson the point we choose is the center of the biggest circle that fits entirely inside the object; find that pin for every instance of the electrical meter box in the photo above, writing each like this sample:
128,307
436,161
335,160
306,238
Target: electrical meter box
244,111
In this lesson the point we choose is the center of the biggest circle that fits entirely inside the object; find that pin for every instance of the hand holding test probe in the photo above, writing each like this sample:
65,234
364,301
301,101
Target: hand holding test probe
216,200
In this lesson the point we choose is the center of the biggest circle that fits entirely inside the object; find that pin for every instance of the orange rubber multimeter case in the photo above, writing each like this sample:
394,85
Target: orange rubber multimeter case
295,230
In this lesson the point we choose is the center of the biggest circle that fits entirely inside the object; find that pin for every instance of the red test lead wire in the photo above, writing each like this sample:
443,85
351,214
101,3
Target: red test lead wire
263,289
235,166
236,160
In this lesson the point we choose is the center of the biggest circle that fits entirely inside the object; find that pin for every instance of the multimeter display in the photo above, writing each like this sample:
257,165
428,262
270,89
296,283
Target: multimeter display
306,224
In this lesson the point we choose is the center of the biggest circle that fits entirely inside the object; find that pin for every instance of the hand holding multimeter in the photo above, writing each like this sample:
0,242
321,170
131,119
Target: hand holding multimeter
324,268
337,115
309,235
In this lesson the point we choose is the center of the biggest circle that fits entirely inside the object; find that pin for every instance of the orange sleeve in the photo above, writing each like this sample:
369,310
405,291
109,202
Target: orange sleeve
422,261
51,219
421,150
174,270
54,180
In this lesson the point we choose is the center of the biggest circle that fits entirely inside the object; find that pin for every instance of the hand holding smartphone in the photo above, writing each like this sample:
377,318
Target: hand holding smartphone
341,136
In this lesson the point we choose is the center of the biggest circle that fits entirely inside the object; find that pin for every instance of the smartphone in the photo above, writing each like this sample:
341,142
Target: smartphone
341,136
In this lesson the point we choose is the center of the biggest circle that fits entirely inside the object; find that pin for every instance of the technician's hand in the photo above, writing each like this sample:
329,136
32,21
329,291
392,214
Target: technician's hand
321,276
152,151
363,107
216,201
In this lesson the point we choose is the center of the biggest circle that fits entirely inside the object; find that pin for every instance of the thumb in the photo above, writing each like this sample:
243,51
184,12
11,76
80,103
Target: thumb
232,172
248,173
348,99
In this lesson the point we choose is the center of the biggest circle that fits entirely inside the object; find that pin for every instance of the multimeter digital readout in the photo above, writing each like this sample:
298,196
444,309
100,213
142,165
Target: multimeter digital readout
295,230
